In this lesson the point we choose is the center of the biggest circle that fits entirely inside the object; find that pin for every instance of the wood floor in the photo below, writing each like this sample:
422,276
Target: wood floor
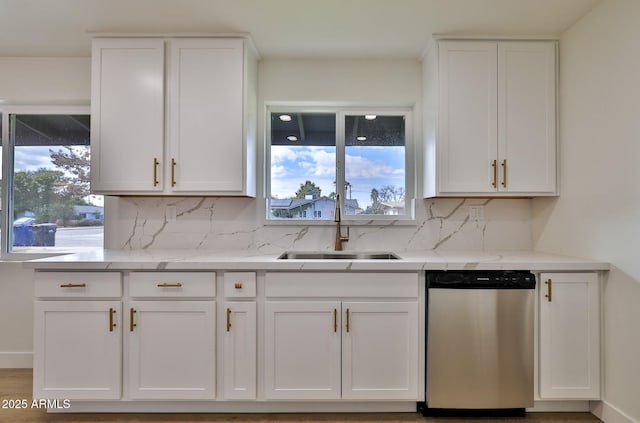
15,384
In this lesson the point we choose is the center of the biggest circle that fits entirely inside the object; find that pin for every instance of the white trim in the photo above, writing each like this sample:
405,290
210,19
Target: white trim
340,110
16,360
236,407
7,168
610,414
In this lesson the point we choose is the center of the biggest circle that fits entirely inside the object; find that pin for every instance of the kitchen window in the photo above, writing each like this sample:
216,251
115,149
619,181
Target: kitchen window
46,203
363,157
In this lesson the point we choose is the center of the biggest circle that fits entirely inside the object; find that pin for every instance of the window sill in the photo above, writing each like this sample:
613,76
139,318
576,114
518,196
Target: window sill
343,222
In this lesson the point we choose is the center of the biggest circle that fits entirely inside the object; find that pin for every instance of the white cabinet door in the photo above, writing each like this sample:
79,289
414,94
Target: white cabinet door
127,115
467,132
171,349
527,117
239,351
206,115
380,350
569,336
78,350
496,123
302,350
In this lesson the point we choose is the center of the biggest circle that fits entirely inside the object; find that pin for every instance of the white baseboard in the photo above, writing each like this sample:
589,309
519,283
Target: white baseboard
609,413
234,407
559,406
16,360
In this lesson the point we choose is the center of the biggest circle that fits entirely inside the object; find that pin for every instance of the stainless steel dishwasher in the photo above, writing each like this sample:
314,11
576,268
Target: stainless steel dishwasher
480,342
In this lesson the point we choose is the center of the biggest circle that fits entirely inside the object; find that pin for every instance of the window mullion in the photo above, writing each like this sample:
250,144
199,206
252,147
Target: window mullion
340,157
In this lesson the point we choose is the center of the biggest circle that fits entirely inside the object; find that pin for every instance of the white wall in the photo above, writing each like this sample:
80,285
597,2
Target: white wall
32,81
45,80
598,212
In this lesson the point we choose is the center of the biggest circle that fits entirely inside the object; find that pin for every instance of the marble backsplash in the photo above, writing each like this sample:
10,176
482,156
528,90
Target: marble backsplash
235,224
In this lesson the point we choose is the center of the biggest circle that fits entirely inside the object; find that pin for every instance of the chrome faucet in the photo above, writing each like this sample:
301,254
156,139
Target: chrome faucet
339,238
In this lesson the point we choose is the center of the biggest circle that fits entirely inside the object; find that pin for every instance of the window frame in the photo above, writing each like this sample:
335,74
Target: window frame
8,169
341,112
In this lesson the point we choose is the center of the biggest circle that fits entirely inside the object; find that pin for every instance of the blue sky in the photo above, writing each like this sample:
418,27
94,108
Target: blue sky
366,168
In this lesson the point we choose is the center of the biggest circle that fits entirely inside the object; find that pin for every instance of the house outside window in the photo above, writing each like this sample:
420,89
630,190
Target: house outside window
364,157
46,169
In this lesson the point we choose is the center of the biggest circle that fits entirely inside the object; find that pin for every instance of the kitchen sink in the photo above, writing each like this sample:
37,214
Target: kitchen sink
337,255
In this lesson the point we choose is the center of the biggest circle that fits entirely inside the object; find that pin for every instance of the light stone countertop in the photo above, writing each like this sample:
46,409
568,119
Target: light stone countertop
238,260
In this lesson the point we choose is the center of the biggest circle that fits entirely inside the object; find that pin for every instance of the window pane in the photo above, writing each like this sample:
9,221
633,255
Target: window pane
303,166
52,206
375,165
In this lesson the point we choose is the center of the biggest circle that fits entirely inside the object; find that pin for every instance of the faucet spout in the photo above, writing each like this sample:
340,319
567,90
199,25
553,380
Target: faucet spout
339,238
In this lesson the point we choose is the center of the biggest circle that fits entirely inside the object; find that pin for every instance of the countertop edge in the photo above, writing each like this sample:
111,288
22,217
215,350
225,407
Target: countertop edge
115,260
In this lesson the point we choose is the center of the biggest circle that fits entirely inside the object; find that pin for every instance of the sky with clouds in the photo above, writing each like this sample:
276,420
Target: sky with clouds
366,168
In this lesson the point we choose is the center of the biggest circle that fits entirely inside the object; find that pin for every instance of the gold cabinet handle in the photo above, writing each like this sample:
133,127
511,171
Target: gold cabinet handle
228,320
347,325
170,285
549,290
335,320
238,285
494,165
504,173
112,324
73,285
173,172
155,171
132,324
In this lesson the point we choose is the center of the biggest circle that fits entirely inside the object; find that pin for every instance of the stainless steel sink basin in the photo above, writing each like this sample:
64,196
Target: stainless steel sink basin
337,255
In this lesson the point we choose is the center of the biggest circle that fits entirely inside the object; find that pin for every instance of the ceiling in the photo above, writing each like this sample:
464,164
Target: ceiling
397,29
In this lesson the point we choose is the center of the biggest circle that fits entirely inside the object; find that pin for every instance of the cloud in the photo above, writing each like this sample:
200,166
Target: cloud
32,158
363,167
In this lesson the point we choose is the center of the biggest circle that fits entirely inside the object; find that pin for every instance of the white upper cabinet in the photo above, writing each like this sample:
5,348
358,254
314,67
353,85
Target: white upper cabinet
490,119
127,115
204,145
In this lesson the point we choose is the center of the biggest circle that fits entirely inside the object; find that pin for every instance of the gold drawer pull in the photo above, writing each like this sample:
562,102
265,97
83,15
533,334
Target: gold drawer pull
112,324
549,290
155,172
238,285
132,324
173,172
73,285
495,174
170,285
228,320
348,322
504,173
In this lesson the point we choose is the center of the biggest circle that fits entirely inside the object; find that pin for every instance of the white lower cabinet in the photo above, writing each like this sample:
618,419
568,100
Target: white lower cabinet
341,349
171,349
239,351
78,345
302,350
77,336
569,336
349,350
380,350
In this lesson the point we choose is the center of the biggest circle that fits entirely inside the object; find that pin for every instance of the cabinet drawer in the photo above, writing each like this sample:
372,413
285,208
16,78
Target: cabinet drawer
172,284
239,284
78,284
336,284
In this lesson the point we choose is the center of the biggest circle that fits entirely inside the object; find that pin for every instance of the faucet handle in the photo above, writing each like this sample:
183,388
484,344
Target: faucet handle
336,217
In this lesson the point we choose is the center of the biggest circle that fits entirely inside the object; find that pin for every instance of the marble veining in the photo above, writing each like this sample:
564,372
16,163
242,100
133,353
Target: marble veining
205,223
